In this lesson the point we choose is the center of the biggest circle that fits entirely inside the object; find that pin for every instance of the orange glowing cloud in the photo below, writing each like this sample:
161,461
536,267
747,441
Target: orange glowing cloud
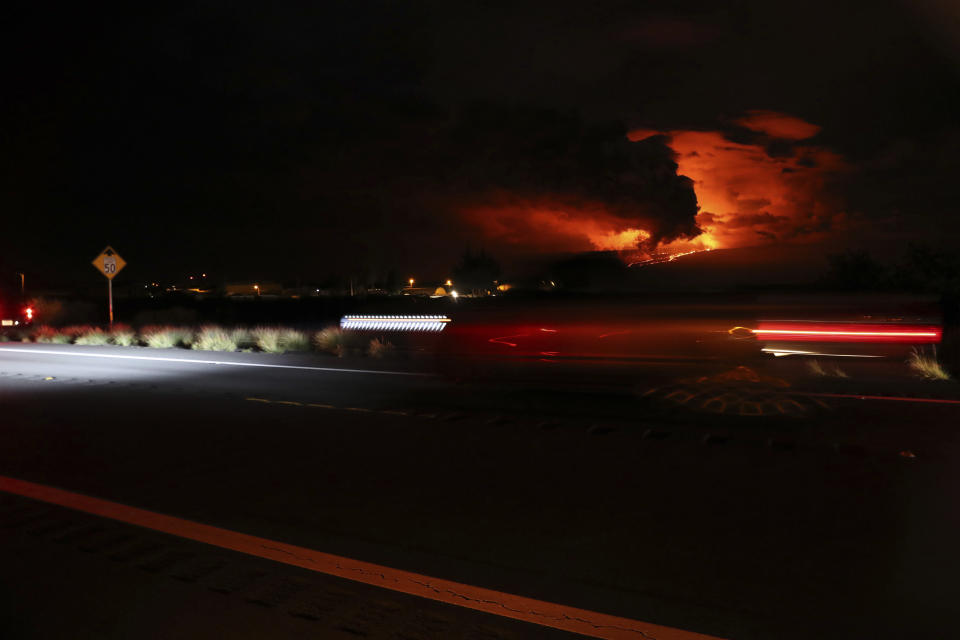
549,227
778,125
747,196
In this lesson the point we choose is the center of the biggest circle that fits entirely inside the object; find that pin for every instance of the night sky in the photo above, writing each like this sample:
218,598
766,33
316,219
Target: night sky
292,141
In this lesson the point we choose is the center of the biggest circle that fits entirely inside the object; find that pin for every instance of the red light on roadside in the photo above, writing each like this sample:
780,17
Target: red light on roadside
29,313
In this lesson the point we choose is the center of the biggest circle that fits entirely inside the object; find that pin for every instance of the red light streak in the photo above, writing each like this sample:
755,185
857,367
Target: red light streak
852,333
848,332
615,333
501,339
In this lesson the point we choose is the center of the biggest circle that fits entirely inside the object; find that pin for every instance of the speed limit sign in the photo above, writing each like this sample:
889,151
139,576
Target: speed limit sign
109,262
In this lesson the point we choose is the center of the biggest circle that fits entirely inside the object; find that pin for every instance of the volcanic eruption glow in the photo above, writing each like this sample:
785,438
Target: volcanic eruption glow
619,240
749,195
670,193
557,228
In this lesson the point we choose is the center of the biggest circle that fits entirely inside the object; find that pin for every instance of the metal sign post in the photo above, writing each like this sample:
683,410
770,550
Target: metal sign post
109,263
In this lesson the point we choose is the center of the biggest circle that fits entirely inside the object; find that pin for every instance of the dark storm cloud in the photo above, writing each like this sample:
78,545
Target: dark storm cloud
556,159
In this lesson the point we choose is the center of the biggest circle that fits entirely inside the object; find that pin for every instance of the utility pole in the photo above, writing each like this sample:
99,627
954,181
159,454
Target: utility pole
23,280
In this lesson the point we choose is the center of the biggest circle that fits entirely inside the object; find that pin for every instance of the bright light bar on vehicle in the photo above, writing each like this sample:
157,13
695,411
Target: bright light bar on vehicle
394,323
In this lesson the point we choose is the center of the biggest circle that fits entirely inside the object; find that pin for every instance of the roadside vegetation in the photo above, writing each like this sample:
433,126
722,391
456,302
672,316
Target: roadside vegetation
379,348
277,340
123,335
95,336
926,365
830,370
50,335
331,340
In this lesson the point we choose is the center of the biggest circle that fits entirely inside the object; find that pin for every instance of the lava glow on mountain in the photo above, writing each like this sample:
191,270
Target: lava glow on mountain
771,188
748,195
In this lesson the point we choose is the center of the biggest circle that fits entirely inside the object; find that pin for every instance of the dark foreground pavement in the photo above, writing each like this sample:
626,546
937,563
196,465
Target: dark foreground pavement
837,521
68,575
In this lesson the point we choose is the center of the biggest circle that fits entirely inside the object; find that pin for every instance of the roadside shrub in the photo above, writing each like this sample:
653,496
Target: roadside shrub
293,340
75,331
213,338
160,336
185,336
42,333
379,348
814,367
276,340
330,340
926,365
50,335
831,370
268,339
123,335
243,337
95,336
5,338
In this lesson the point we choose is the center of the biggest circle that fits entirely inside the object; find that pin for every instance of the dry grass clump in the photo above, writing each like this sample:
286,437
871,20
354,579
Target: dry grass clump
379,348
214,338
831,370
243,337
293,340
50,335
276,340
267,339
165,336
76,330
926,365
95,335
123,335
330,340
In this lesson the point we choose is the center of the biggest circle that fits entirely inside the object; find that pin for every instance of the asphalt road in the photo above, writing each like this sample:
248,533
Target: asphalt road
834,517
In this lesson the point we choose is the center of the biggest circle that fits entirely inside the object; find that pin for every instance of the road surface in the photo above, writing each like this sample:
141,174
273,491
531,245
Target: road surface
836,519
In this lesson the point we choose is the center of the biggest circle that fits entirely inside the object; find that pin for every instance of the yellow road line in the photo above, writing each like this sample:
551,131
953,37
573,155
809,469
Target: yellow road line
507,605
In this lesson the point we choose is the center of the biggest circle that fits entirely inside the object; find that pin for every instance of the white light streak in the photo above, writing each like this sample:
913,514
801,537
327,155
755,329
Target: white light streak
394,323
